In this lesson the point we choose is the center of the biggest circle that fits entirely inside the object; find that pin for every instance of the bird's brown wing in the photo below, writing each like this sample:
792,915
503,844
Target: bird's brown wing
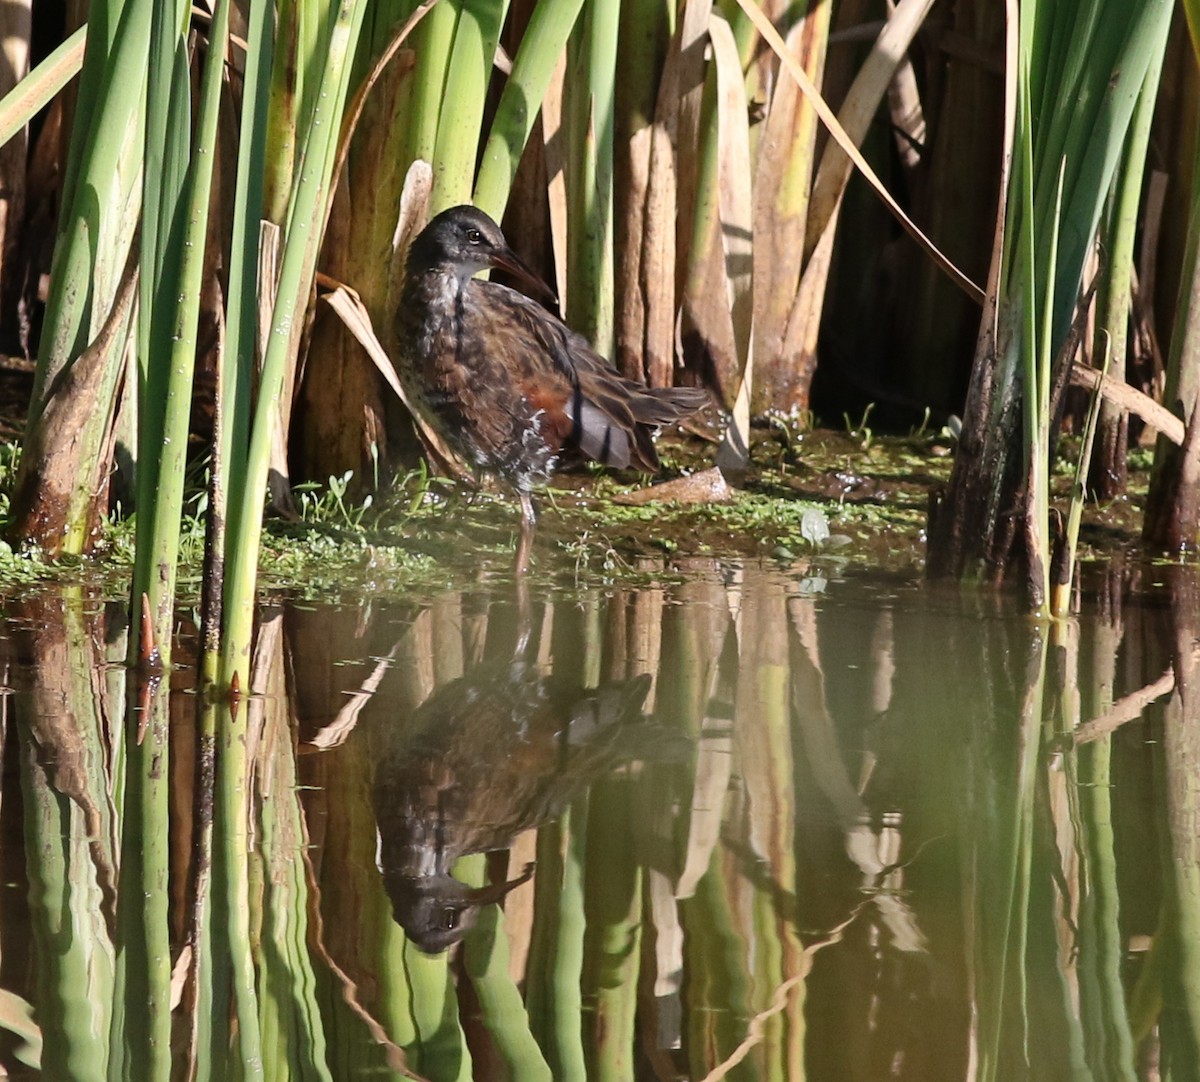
586,401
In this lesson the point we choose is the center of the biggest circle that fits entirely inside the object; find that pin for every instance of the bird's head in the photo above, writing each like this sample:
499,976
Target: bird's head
463,240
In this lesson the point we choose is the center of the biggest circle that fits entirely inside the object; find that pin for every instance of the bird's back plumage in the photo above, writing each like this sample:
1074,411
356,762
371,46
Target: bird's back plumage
508,384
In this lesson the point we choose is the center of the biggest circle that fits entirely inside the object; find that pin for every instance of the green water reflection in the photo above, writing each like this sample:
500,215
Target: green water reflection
742,824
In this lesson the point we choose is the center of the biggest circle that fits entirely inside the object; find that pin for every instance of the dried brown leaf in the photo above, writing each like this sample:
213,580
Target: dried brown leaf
693,33
1128,708
859,109
707,486
657,265
782,187
353,313
1131,399
736,202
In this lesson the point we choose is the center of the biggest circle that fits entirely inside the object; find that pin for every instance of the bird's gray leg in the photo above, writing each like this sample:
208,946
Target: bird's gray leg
525,541
528,511
524,546
524,618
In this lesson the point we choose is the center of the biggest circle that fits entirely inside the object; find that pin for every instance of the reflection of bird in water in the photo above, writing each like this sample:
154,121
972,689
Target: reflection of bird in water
508,384
486,757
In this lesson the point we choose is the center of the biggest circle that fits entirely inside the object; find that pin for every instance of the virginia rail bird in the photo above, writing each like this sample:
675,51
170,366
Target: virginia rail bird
508,385
485,757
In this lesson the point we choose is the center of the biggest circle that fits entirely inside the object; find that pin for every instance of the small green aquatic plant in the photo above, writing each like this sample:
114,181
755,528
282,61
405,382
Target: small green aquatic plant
329,503
861,433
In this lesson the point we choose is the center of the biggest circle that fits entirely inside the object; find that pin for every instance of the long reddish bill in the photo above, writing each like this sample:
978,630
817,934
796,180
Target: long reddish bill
508,260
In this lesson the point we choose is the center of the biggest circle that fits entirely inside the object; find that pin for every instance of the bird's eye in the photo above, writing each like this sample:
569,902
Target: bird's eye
474,236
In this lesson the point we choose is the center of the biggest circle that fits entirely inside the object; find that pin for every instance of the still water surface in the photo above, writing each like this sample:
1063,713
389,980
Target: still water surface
741,823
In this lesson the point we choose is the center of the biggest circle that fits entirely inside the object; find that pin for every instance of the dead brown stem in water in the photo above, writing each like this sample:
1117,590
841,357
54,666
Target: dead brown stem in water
1129,708
758,1024
1131,399
55,445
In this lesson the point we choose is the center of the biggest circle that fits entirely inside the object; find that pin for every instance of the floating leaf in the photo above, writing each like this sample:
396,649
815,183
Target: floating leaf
814,526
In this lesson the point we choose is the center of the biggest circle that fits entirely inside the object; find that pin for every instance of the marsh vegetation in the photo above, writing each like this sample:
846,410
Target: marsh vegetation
934,265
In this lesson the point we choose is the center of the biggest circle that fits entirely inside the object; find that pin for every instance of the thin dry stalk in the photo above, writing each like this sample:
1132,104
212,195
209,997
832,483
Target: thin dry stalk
779,1001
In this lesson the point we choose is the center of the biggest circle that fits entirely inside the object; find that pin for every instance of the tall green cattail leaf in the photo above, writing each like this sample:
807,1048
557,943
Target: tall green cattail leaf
94,237
467,76
175,228
590,103
1078,93
282,59
241,317
59,485
1110,465
307,213
486,961
440,1047
308,210
541,45
431,45
553,996
81,979
612,960
21,104
1097,158
214,966
705,322
164,428
1060,598
167,157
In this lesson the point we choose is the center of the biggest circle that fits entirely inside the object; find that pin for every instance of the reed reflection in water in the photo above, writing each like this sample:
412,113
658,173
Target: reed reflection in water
738,825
